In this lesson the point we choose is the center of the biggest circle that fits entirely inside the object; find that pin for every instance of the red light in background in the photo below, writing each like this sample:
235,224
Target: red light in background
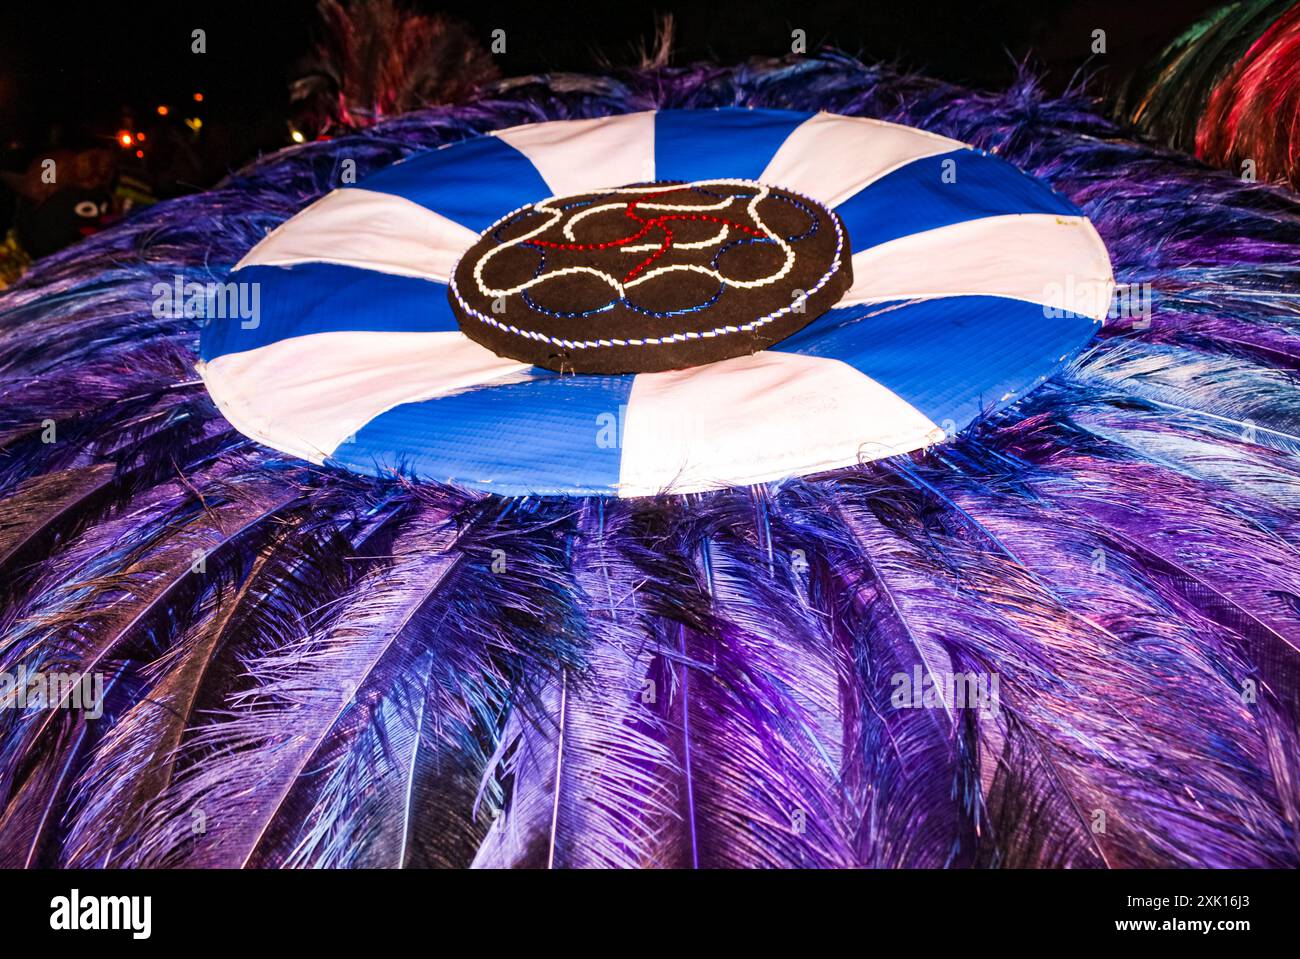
124,137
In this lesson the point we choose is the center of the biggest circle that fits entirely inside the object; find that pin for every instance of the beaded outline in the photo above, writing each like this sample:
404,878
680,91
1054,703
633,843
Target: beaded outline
673,337
525,294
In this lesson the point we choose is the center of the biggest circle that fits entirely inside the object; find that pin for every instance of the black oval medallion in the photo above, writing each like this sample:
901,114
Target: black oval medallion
651,277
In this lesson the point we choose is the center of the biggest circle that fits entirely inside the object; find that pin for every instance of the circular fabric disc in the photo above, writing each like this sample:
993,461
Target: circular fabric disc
971,283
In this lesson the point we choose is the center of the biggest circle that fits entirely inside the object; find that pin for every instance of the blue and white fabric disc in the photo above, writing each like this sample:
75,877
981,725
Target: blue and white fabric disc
971,283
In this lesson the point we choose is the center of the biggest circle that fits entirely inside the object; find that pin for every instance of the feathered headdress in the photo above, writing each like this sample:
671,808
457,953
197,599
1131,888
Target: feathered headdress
1228,89
1069,637
377,59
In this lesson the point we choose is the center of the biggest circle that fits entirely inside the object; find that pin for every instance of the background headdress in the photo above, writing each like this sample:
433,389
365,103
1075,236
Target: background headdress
1228,90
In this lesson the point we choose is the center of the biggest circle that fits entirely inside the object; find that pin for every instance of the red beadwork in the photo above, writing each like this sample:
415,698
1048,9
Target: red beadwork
660,222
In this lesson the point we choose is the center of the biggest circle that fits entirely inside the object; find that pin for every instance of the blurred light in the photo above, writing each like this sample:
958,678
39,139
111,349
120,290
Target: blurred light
140,154
124,138
194,123
163,109
296,136
198,98
140,136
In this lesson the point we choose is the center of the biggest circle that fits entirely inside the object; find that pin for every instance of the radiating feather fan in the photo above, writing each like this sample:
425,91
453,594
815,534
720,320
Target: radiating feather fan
307,668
